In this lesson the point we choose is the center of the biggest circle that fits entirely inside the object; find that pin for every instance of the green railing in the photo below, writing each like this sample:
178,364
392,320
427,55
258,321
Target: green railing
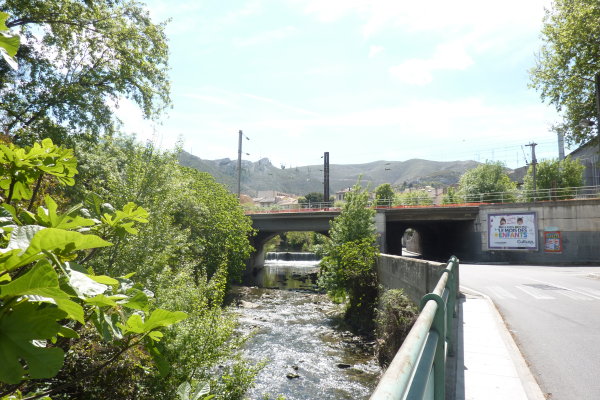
418,371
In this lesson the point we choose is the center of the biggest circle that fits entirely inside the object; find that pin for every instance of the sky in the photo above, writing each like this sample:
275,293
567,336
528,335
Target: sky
364,80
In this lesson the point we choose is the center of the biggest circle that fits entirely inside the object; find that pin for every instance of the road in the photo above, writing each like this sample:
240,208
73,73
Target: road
554,315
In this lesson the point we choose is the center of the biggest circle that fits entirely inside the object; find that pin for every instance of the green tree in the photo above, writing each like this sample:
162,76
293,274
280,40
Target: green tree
413,198
568,63
487,183
384,194
77,58
554,179
195,242
47,296
311,198
348,268
451,197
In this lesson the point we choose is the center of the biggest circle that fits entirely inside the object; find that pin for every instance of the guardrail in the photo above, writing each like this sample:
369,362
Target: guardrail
418,371
419,200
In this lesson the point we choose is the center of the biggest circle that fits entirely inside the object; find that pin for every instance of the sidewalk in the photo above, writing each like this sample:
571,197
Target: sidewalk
489,365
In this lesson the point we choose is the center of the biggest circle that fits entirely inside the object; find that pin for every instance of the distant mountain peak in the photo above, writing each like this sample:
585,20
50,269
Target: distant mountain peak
263,175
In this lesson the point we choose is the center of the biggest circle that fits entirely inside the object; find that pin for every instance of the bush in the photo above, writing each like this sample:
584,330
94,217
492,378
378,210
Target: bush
396,315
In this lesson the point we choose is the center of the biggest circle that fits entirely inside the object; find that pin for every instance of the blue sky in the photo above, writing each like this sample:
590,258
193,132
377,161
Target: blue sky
364,80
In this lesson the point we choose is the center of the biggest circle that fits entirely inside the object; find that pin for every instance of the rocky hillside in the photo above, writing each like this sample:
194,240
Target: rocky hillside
262,175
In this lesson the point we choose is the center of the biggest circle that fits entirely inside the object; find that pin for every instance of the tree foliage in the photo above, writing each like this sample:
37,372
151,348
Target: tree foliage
311,198
554,178
413,198
46,293
348,268
196,241
9,43
78,59
487,183
451,197
567,63
384,194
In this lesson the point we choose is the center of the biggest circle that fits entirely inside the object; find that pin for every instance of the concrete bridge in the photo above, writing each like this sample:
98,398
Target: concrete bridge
463,230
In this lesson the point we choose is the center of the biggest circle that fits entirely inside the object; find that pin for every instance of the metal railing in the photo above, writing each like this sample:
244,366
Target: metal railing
418,371
425,200
513,196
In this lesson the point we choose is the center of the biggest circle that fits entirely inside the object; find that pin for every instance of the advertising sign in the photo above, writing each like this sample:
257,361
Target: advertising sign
512,231
552,242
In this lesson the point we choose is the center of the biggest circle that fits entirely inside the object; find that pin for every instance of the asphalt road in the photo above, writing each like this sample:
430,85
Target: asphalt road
554,315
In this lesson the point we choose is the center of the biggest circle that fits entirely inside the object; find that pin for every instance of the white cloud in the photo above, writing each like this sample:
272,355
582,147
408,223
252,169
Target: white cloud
448,56
427,15
374,50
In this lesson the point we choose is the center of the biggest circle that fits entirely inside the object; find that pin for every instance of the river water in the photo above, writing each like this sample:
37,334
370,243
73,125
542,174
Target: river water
299,333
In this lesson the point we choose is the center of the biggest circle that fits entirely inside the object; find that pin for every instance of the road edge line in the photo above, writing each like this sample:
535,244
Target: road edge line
528,381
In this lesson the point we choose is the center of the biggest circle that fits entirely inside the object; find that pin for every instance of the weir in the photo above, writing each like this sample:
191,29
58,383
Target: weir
291,256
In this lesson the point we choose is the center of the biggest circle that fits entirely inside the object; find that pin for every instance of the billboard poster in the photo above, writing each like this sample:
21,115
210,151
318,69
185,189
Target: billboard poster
512,231
552,242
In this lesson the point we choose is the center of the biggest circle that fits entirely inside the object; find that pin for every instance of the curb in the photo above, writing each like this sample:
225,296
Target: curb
528,381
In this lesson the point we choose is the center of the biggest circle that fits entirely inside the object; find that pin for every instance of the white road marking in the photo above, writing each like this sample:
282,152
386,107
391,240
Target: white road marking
588,290
566,288
536,294
574,295
500,292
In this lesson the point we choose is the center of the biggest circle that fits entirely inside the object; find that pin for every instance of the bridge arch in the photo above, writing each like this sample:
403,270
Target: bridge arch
270,225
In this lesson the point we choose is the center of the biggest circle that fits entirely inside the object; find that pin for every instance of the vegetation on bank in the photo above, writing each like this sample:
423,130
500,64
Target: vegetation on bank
348,266
139,235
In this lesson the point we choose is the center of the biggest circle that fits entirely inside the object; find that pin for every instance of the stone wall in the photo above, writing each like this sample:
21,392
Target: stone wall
415,277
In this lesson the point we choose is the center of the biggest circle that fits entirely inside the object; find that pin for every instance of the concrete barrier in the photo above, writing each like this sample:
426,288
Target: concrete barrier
415,277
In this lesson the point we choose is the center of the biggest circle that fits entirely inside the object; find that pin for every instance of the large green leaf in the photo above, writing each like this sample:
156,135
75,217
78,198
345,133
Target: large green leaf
158,319
18,328
84,285
42,281
162,318
138,300
50,218
57,241
21,236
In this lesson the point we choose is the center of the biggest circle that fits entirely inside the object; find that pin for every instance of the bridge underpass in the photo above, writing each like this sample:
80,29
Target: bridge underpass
442,231
271,225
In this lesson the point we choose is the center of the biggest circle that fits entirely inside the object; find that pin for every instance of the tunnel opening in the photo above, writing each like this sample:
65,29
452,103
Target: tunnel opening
432,240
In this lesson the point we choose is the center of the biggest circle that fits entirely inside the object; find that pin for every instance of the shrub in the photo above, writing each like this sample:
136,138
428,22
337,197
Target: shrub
396,315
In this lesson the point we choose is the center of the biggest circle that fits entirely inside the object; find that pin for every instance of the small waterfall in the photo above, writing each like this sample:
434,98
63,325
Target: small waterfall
291,256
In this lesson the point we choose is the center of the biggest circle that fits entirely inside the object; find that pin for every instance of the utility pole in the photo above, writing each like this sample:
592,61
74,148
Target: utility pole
326,177
239,164
561,145
534,163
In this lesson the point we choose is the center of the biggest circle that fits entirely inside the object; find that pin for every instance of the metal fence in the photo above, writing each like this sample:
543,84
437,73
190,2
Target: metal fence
418,371
425,200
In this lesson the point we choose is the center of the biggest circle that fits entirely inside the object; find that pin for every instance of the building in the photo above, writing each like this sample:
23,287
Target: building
588,155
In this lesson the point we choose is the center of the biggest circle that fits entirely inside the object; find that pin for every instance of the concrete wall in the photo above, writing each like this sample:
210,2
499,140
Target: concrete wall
577,220
416,277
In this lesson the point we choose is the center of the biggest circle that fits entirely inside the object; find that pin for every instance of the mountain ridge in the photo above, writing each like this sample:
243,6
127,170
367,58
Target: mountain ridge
263,175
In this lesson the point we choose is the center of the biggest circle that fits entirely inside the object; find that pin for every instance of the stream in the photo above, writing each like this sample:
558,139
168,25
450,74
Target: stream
299,332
